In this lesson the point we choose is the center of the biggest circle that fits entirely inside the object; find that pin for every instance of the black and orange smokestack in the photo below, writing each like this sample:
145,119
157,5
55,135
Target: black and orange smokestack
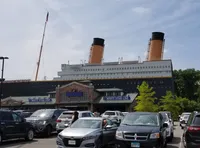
156,46
96,51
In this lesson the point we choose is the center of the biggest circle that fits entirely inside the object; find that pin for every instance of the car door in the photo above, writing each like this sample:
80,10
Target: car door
20,125
163,130
109,134
55,116
9,125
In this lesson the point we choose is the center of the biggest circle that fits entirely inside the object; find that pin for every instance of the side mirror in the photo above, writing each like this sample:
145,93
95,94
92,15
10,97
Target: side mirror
108,127
170,120
165,125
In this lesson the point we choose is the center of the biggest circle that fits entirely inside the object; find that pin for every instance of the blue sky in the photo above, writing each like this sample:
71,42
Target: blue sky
126,26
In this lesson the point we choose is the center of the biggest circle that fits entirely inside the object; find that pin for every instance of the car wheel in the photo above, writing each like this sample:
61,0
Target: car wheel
48,131
171,137
98,144
29,135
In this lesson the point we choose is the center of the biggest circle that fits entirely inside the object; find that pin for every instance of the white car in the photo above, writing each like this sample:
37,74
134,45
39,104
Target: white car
113,115
170,128
184,118
66,118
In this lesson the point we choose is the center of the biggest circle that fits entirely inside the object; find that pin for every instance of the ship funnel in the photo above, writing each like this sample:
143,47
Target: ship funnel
156,47
96,51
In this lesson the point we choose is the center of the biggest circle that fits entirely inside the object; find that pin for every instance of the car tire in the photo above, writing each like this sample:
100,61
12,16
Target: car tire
48,130
98,144
29,135
171,137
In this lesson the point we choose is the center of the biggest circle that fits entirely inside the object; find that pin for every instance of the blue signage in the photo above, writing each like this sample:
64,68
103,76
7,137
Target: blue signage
74,94
119,98
45,100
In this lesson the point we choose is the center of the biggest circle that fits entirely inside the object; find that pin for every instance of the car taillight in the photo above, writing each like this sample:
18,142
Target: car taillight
193,129
58,121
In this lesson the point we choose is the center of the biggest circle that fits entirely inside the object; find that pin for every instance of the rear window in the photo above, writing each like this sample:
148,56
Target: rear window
109,113
196,120
66,115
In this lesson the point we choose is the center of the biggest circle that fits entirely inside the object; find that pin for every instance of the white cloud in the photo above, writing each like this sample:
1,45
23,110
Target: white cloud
73,25
141,10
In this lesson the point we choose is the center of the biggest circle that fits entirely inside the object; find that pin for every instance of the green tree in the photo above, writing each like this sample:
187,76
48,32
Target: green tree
146,99
186,83
169,102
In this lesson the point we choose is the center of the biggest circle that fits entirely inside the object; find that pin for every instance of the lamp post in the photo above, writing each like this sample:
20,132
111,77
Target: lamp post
2,79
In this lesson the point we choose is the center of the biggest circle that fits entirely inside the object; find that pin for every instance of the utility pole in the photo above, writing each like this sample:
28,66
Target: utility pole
2,79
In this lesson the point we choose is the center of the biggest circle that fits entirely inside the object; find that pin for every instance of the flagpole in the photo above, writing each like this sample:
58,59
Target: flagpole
41,47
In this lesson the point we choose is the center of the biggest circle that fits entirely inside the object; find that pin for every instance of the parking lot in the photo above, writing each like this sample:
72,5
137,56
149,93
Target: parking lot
51,142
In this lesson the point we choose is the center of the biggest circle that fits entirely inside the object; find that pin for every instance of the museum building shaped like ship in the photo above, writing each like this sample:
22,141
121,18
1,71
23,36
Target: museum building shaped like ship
101,79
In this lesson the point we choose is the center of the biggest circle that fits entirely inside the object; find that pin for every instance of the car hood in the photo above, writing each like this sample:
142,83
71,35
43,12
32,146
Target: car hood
139,129
29,119
78,132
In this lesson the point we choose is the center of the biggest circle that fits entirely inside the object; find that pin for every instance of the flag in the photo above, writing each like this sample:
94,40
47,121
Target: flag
47,17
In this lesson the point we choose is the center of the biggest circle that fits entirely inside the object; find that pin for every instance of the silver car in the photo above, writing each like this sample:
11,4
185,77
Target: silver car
66,117
87,132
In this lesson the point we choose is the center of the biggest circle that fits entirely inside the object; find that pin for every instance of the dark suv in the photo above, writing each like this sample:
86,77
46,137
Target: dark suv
142,129
13,126
191,134
44,120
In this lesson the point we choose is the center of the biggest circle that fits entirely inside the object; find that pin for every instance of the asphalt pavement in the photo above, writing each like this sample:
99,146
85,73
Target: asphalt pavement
51,142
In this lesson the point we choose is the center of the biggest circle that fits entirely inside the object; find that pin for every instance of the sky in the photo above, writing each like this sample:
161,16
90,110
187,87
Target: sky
126,26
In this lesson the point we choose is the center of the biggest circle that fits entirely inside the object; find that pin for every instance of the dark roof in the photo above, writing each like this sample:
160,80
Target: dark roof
144,113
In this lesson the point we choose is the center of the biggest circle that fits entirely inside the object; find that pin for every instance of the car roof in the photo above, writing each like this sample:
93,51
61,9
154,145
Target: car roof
92,118
165,112
144,113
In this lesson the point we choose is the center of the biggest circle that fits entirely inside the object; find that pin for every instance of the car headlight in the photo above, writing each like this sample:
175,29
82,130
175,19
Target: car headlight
155,136
41,122
119,134
89,137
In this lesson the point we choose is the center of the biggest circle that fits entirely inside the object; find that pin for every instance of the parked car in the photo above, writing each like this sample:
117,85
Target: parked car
184,118
88,132
44,120
169,115
191,133
142,129
14,126
170,128
113,115
66,117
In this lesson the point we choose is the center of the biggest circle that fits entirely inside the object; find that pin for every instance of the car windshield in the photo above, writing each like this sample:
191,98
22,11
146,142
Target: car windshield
86,123
43,113
67,115
165,117
109,113
140,120
197,120
186,117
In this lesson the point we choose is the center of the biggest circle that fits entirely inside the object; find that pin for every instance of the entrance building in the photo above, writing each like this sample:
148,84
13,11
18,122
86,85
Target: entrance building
76,96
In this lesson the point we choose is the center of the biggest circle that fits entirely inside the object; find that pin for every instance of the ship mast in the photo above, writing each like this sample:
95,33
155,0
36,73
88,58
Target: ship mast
41,47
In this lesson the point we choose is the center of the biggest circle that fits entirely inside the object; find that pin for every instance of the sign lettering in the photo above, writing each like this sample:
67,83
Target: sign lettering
39,100
111,98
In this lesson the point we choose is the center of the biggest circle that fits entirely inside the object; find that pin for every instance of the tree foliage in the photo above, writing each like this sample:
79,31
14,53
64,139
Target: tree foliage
187,83
146,99
176,105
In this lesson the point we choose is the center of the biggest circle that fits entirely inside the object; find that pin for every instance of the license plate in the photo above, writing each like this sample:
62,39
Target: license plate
71,142
135,144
